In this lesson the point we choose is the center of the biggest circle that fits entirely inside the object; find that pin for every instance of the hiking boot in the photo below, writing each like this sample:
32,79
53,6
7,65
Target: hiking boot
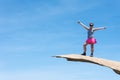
91,55
83,54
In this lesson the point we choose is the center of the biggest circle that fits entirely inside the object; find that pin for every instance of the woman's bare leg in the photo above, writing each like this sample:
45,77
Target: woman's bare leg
92,50
84,48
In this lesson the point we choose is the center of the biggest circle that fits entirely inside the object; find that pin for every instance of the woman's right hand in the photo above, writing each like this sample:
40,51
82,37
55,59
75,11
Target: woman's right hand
78,22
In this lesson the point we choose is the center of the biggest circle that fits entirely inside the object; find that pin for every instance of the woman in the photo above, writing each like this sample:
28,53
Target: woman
90,40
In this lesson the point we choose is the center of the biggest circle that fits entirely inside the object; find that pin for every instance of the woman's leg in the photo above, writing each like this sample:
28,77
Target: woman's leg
84,48
92,50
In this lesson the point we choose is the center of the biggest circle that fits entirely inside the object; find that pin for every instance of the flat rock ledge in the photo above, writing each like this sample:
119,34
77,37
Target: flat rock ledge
114,65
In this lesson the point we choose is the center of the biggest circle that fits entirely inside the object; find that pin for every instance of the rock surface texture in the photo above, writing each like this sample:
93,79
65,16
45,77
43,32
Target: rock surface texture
114,65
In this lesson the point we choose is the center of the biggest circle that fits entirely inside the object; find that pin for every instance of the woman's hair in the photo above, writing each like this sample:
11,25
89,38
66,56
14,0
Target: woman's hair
91,24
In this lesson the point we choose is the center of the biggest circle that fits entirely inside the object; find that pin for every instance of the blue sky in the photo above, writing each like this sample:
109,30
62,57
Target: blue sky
31,31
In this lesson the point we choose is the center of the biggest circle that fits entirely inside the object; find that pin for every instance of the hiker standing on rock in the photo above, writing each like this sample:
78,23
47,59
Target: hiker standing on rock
90,40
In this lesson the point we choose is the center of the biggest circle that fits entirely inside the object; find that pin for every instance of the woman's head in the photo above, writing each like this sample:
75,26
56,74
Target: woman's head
91,24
